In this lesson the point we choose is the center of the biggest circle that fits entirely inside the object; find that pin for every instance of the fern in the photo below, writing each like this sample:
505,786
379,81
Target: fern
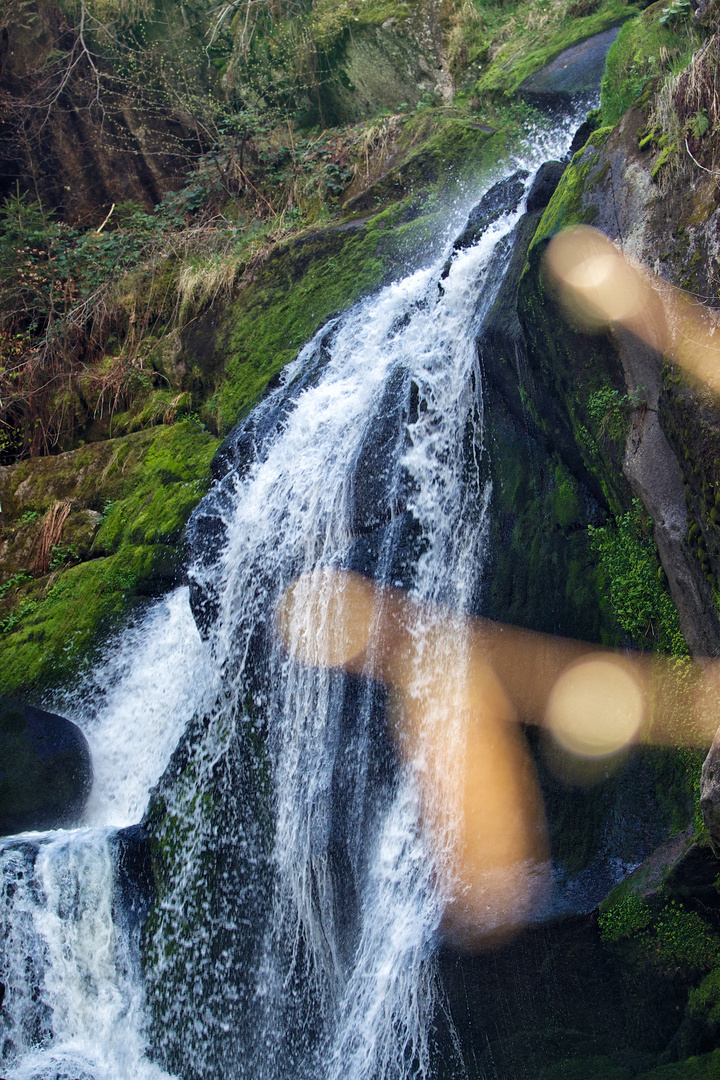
699,124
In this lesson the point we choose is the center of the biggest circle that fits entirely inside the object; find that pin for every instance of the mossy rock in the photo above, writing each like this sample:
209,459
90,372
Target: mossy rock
575,73
539,45
312,277
210,829
139,490
637,57
703,1067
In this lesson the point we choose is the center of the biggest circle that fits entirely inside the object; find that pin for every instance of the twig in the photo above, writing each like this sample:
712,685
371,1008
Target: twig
713,172
101,227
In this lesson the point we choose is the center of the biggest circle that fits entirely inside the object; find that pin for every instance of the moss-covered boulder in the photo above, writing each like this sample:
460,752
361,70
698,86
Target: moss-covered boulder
129,500
575,73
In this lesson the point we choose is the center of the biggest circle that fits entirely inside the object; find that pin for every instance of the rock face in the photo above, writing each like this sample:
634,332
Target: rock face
710,794
576,72
70,119
609,184
45,769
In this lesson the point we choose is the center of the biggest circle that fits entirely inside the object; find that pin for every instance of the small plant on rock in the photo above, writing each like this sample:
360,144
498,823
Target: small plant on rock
679,9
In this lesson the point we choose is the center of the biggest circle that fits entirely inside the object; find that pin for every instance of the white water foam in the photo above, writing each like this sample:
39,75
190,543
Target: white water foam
74,1003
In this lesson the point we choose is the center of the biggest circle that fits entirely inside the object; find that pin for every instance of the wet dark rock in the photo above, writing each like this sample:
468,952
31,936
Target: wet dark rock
133,874
581,136
543,186
206,532
502,198
555,994
376,492
575,73
45,769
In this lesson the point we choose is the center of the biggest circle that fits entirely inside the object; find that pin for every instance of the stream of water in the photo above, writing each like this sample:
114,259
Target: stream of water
315,958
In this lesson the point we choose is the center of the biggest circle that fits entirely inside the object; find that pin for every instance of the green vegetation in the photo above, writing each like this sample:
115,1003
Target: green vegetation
660,42
147,484
669,937
703,1067
628,916
525,40
611,410
631,570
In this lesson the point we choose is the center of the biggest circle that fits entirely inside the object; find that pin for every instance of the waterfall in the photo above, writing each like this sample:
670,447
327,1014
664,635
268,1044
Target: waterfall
301,907
74,1005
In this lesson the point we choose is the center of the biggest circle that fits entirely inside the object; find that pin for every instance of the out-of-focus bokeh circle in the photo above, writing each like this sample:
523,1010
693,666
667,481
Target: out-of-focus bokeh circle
595,708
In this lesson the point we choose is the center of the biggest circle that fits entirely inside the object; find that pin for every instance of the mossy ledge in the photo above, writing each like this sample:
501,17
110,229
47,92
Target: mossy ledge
129,500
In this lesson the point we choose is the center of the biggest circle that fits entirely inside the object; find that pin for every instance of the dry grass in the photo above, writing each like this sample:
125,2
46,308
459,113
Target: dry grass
687,110
202,281
49,536
374,145
698,87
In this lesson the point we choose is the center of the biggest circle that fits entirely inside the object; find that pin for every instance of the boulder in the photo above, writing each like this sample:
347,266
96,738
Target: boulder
543,186
502,198
580,137
45,769
575,73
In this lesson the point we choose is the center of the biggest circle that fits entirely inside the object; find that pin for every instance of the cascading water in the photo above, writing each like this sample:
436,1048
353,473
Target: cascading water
368,457
300,906
74,1004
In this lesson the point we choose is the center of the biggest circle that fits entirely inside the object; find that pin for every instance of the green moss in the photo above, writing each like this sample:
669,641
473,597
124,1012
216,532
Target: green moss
658,931
611,412
542,574
149,482
570,366
329,19
167,483
703,1067
294,293
566,505
663,158
629,565
306,281
703,1007
536,42
645,48
684,940
626,915
569,205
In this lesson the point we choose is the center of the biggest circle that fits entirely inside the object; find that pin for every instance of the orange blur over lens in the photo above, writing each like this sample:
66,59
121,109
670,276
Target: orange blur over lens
458,687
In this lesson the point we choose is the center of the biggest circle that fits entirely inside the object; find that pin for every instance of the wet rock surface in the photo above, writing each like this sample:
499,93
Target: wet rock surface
502,198
576,72
45,769
543,186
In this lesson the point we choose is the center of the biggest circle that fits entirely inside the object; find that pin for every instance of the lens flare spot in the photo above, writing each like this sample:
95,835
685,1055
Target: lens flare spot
592,273
595,279
595,708
325,618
